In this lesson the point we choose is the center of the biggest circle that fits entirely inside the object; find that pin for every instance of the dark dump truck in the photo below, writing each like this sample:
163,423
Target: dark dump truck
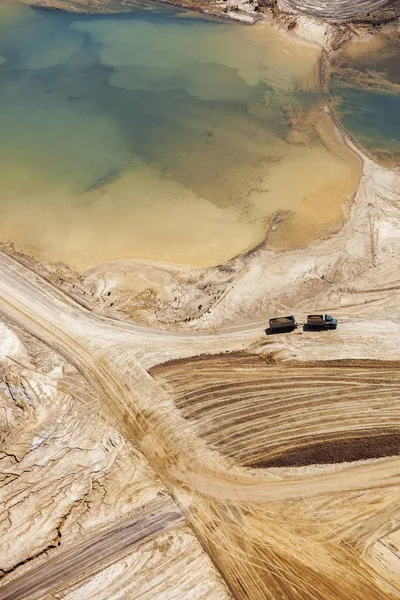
282,323
321,322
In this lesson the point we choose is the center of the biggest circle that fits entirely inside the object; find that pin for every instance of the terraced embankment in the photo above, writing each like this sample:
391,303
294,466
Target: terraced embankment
259,412
266,414
334,9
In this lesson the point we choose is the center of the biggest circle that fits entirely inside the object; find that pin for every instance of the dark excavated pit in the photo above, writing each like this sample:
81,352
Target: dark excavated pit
336,451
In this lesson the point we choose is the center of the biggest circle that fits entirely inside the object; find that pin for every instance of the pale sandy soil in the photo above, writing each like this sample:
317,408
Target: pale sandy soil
70,480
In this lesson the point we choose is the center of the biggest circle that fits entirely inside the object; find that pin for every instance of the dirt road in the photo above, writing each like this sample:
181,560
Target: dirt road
91,555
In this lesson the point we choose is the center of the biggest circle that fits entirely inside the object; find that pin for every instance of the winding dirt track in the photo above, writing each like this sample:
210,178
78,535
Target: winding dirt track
89,556
295,533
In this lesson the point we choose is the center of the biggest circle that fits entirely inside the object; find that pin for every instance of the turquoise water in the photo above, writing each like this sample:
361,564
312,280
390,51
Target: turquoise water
373,118
366,87
155,135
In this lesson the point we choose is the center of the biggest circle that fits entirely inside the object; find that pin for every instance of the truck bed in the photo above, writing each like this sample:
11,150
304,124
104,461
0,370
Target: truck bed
282,322
316,319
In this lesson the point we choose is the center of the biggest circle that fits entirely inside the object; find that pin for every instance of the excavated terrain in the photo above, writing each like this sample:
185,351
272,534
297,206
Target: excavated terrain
335,9
248,11
265,414
82,513
257,472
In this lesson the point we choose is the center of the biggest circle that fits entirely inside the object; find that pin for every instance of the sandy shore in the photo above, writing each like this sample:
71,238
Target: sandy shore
255,284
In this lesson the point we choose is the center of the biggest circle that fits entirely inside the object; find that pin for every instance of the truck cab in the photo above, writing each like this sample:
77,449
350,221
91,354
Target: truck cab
321,322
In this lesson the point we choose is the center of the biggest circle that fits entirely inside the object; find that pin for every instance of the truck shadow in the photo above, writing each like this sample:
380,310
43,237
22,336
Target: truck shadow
309,328
270,331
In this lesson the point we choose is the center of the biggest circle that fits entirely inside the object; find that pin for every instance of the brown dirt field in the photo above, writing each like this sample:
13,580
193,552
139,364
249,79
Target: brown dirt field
337,451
